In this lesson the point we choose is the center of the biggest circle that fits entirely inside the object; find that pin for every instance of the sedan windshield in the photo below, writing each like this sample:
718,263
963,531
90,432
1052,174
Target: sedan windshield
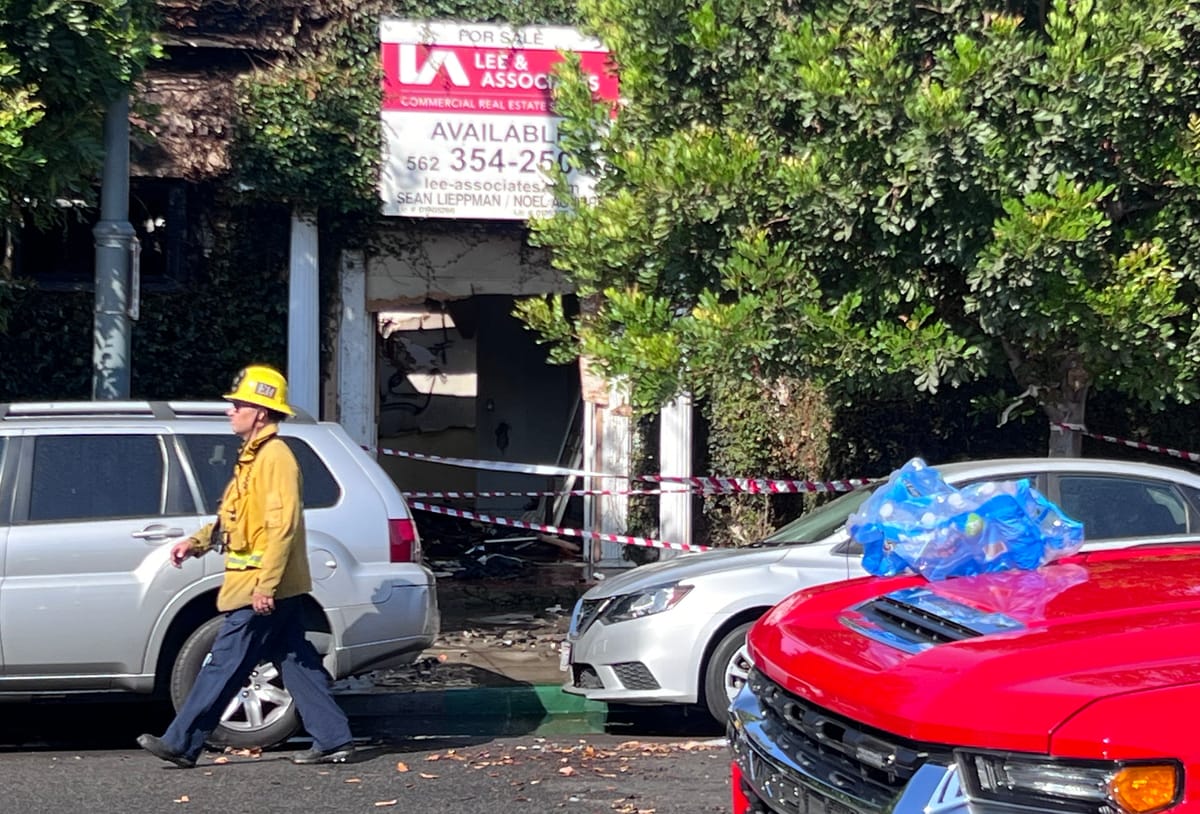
821,521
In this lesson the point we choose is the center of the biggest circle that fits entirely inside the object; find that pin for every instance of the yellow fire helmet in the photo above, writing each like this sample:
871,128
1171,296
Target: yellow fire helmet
262,386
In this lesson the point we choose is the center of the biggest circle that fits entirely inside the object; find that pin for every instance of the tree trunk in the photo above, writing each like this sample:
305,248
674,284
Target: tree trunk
1068,408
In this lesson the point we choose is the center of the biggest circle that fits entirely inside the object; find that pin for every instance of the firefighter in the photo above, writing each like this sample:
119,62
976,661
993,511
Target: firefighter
260,530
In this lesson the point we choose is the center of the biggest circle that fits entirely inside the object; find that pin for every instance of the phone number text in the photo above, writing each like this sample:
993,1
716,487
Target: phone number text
478,159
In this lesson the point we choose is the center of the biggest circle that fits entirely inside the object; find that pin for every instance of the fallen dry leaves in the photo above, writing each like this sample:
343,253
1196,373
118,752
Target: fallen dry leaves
255,751
581,754
574,760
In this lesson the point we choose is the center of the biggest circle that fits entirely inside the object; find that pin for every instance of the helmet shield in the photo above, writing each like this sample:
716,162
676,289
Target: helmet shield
261,386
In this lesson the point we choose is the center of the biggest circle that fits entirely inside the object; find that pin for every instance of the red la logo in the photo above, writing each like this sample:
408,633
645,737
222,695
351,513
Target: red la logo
436,60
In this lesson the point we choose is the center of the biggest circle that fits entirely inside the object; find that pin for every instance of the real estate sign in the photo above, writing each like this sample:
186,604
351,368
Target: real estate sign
468,124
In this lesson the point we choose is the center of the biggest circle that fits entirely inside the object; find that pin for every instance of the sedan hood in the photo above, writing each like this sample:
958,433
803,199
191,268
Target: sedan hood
927,660
685,568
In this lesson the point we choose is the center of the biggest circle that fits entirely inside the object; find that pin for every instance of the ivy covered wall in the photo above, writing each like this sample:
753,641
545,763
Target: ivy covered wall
304,135
189,340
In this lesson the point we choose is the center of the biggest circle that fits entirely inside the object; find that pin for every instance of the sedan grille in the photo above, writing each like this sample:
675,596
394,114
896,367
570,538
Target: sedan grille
586,612
634,675
865,764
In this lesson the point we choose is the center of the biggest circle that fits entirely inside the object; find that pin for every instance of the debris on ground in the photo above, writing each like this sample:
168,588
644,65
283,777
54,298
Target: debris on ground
452,662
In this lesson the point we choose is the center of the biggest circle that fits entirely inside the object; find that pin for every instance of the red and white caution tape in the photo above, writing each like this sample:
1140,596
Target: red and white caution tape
1184,455
494,466
706,485
550,493
567,532
762,486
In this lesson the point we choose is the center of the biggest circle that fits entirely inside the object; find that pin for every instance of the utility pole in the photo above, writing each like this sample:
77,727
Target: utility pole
114,241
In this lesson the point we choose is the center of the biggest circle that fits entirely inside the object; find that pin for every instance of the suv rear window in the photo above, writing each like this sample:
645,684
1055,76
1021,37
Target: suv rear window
77,477
213,457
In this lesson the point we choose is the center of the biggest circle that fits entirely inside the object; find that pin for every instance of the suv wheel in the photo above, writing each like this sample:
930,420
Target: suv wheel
727,670
262,714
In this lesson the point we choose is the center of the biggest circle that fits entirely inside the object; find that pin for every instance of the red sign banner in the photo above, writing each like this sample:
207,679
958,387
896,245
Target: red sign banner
471,79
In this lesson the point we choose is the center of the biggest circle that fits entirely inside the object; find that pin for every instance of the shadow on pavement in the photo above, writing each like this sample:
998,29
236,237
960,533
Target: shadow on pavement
390,720
66,724
666,720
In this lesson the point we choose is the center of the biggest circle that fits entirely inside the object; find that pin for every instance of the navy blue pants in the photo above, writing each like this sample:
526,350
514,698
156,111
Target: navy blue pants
245,640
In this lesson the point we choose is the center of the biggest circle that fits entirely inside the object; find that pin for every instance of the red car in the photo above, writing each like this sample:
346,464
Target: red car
1073,688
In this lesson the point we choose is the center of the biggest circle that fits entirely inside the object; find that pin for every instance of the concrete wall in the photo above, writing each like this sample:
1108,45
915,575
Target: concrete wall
520,402
524,404
412,475
454,263
524,407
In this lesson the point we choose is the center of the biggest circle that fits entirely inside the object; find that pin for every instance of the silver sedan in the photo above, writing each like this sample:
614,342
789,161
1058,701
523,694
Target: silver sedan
674,631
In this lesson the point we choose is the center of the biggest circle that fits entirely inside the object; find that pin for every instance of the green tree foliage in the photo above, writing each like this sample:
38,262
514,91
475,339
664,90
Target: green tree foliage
307,131
62,62
187,344
875,196
527,12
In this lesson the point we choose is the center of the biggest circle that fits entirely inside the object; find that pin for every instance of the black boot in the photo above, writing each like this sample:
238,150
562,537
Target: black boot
338,754
157,747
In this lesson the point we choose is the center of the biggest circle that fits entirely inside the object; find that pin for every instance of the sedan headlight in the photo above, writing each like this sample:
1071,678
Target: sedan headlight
1084,786
645,603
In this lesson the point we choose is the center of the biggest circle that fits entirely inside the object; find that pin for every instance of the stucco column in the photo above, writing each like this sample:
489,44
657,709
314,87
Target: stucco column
304,330
607,446
356,390
675,459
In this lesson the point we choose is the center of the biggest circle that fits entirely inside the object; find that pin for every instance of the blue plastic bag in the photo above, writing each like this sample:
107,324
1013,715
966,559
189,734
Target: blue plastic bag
917,521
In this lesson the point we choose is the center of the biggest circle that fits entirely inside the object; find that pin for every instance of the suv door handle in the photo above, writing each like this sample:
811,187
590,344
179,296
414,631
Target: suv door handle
157,532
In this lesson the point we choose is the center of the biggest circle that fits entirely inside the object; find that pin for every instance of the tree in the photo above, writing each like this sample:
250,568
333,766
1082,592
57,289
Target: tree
61,65
876,196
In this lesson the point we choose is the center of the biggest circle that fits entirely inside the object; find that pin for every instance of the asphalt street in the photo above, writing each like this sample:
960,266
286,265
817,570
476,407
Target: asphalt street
58,758
594,774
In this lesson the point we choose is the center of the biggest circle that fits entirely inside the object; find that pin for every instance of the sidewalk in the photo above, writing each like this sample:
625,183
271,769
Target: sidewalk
494,668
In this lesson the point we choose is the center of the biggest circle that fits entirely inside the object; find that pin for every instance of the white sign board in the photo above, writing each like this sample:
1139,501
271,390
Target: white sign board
467,119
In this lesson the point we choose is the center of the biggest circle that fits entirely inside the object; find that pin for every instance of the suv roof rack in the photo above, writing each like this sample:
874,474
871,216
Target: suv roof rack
162,410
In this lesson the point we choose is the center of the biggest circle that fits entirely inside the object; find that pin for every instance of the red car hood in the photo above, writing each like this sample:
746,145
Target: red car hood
1055,639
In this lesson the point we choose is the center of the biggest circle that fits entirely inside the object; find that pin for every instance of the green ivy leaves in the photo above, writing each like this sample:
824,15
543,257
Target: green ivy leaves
62,63
862,194
308,130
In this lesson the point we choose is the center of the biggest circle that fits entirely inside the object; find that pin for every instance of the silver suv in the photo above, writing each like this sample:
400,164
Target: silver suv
94,494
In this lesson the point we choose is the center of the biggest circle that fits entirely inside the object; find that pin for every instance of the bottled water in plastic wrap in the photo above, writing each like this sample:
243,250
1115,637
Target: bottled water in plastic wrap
917,521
